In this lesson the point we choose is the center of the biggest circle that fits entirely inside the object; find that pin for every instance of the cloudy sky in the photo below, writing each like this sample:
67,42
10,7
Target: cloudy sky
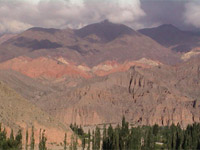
19,15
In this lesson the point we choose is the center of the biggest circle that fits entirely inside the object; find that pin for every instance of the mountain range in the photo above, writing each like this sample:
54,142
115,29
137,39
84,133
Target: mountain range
96,74
173,38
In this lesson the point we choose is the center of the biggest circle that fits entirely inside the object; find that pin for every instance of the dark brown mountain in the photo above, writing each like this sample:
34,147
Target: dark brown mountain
47,30
90,45
172,37
105,30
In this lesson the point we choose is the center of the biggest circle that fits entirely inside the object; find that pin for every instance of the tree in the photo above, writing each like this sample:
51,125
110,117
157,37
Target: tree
72,141
117,139
3,140
18,139
97,137
65,141
89,138
109,143
124,133
42,143
180,137
83,142
32,139
155,129
93,140
26,146
12,136
75,143
149,142
135,139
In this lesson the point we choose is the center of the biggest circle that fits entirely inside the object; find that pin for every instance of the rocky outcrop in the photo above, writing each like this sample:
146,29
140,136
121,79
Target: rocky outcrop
139,94
43,67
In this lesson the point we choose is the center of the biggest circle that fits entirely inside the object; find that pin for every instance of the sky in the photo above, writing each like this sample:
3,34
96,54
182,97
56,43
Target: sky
19,15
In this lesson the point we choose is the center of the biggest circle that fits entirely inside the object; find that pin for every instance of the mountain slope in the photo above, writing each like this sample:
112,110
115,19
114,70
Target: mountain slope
16,112
170,36
87,46
144,95
105,30
5,37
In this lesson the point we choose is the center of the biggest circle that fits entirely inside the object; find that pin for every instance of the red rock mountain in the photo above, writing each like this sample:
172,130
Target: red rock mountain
145,94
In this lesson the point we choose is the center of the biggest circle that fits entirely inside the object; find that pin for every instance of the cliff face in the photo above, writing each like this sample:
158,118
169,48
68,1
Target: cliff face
144,95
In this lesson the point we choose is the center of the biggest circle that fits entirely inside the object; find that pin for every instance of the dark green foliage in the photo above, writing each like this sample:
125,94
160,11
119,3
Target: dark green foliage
142,138
93,140
85,137
155,129
18,139
89,139
78,130
97,137
26,145
74,143
11,136
83,143
43,139
11,143
134,141
32,146
65,142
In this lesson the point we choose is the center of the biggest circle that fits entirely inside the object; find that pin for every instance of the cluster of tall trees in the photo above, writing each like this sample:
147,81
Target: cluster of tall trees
122,137
11,143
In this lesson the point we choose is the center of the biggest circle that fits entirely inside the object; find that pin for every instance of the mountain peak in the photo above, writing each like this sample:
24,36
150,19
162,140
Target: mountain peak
105,21
105,30
40,29
168,26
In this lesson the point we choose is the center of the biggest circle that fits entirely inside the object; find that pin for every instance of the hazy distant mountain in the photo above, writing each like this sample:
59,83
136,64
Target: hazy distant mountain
172,37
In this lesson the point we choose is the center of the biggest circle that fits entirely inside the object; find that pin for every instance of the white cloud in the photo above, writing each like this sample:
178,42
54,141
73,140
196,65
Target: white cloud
18,15
126,11
13,26
192,13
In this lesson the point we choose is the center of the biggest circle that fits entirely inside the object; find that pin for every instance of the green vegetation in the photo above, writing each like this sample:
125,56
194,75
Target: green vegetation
32,139
65,142
15,142
26,145
12,143
120,137
141,138
74,143
42,141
